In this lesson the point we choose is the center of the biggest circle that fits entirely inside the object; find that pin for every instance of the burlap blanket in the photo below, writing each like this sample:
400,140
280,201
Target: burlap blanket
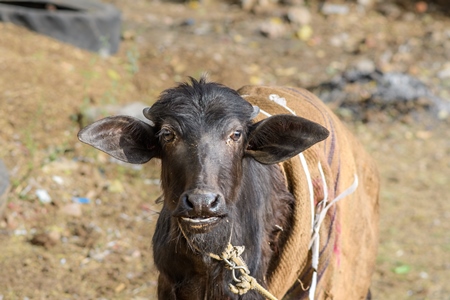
349,232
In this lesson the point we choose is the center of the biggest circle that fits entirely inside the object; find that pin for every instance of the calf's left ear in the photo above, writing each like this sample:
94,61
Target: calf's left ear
281,137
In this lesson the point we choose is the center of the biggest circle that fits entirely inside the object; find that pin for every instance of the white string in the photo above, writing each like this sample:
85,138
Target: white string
351,189
315,265
319,217
280,101
265,113
316,240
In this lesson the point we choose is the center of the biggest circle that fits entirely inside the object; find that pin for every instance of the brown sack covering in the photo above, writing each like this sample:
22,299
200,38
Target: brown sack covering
349,233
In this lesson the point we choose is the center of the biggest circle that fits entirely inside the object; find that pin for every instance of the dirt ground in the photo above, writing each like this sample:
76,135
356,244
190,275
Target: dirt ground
92,238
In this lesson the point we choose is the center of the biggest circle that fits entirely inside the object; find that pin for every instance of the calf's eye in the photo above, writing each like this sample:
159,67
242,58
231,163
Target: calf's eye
167,135
236,135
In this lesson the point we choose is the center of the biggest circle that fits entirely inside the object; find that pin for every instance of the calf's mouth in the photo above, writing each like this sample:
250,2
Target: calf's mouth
199,224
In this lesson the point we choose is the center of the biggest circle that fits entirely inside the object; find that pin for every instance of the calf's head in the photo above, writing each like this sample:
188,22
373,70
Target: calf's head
202,132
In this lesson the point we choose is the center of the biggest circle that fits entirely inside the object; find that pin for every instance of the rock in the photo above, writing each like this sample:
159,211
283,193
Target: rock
99,256
335,9
44,240
421,7
55,235
72,209
120,287
128,35
365,66
116,186
58,179
445,72
365,91
339,40
366,3
274,28
400,87
203,28
292,2
299,15
390,10
43,196
304,33
188,22
60,166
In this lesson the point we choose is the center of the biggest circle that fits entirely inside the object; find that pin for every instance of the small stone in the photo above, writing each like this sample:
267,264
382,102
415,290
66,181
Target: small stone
43,196
305,33
443,114
424,135
188,22
390,10
339,40
136,254
152,181
203,28
299,15
292,2
11,221
120,287
72,209
128,35
58,179
445,72
274,28
99,256
116,187
335,9
366,3
421,7
365,66
256,80
54,235
20,232
42,239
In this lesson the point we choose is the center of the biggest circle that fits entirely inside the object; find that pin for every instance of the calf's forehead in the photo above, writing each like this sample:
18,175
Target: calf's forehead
199,105
204,128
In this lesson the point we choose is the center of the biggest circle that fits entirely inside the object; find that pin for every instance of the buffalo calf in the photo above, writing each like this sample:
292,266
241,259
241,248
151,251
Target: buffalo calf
271,169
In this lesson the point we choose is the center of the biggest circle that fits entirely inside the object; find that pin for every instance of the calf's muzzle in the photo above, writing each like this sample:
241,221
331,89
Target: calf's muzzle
198,203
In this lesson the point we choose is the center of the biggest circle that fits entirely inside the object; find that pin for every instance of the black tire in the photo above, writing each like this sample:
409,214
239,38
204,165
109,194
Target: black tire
87,24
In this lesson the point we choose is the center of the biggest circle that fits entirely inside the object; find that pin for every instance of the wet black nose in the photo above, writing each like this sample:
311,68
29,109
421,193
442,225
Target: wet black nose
202,203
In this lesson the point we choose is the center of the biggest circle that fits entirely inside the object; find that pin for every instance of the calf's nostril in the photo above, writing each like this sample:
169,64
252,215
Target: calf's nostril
215,202
187,202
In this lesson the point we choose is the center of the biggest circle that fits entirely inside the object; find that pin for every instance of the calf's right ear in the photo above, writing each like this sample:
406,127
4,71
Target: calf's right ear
125,138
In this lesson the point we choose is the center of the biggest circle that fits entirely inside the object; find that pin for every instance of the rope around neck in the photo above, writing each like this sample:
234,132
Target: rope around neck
231,256
233,261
